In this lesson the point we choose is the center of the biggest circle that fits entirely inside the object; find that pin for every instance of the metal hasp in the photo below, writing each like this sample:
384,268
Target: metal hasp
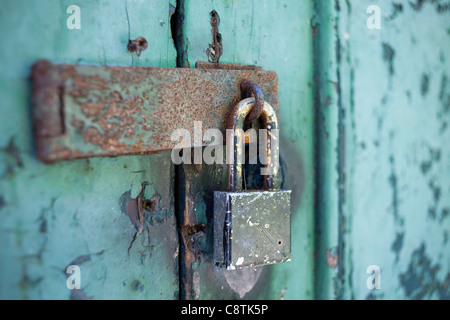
252,228
82,111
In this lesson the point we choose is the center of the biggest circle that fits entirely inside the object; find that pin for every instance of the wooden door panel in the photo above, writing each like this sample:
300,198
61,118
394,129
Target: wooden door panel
277,37
70,212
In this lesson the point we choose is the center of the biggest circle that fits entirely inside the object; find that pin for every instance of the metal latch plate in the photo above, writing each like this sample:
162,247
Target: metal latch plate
84,111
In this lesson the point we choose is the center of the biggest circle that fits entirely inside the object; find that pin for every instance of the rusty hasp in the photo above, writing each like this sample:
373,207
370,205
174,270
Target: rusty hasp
84,111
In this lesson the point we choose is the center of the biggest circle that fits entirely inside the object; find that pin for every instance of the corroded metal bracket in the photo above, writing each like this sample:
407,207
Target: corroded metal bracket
84,111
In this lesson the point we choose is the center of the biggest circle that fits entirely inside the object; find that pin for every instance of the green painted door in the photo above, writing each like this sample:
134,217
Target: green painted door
382,102
75,212
364,113
72,212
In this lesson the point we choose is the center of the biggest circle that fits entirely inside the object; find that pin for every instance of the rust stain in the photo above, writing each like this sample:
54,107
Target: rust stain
138,45
332,260
91,109
45,89
190,233
78,125
140,209
133,110
215,49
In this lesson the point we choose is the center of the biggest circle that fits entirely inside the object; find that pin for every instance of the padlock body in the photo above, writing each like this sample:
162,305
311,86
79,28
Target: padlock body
259,232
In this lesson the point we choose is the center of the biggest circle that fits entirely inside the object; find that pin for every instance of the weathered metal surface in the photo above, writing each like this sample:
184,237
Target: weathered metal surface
85,111
259,228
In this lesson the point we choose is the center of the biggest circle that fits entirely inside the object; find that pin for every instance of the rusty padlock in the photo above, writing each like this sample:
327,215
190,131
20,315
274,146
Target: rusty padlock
252,228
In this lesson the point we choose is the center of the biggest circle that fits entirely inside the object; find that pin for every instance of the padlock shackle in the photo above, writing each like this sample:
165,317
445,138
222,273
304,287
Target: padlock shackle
269,122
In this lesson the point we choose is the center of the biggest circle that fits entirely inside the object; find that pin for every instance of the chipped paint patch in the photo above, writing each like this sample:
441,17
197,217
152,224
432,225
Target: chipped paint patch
424,84
332,258
434,157
420,280
388,56
440,6
394,185
397,245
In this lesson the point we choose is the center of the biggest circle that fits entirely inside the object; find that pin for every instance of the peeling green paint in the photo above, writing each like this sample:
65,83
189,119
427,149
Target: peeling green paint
397,245
421,281
365,112
388,56
69,212
425,84
394,94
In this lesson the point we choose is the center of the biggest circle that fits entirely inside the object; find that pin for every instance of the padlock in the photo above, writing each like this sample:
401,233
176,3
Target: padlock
252,227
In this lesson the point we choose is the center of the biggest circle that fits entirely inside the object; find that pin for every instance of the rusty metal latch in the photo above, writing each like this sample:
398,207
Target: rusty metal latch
87,111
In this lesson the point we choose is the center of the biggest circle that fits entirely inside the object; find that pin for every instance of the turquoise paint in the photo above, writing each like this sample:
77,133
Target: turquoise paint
51,215
378,144
395,102
44,229
327,150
